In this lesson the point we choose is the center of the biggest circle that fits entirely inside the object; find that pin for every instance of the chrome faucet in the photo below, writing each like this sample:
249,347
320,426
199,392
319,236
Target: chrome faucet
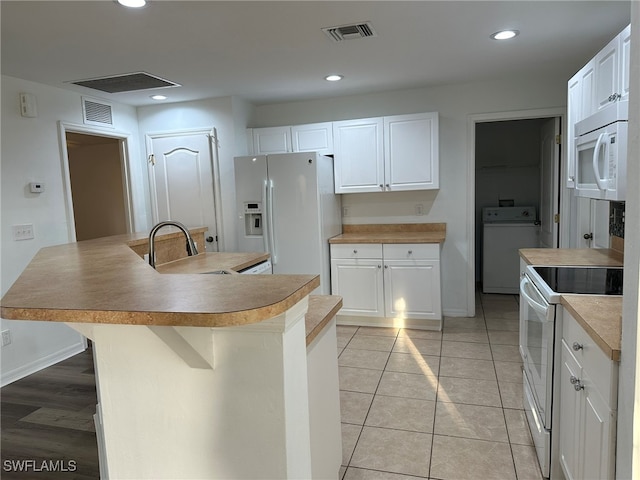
191,246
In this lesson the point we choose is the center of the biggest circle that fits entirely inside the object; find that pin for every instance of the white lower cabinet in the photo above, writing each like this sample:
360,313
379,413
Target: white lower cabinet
588,405
397,283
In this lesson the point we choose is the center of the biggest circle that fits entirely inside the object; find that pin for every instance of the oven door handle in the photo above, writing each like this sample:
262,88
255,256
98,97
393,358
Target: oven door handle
538,307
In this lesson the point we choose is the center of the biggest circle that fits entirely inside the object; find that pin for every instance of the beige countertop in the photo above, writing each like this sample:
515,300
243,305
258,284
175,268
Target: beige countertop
322,308
599,315
603,257
601,318
392,233
105,281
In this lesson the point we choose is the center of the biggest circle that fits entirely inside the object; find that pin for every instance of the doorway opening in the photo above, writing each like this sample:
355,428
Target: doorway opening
513,162
97,183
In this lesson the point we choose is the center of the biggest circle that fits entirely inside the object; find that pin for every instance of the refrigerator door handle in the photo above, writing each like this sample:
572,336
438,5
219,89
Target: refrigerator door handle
265,224
272,241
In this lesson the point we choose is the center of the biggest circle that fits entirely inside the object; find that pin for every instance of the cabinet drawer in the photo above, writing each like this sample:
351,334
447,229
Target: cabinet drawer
603,372
356,250
411,251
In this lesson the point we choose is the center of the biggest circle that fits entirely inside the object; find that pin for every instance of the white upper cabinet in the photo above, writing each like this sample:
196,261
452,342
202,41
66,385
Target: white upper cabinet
608,74
313,137
387,153
411,152
271,140
358,155
625,61
580,104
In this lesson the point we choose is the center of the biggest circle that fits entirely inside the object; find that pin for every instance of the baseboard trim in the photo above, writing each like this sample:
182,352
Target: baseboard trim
363,321
41,363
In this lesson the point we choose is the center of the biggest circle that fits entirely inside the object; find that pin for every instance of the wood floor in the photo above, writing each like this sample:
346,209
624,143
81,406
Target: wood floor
47,423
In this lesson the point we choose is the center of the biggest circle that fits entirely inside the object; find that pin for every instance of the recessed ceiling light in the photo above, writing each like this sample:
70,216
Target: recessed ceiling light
504,34
132,3
159,97
333,78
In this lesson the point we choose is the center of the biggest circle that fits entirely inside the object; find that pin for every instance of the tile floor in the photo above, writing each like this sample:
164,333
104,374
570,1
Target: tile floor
438,405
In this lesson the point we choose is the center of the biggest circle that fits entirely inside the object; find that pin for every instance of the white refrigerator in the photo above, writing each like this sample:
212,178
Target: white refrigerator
286,206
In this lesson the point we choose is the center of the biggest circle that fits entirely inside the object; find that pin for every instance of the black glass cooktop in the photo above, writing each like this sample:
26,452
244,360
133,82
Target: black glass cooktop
583,280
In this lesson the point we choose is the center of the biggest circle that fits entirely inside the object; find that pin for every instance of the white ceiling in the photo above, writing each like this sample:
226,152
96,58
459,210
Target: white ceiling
275,51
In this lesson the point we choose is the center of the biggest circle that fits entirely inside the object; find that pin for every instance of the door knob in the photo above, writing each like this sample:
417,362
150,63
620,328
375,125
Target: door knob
588,236
210,239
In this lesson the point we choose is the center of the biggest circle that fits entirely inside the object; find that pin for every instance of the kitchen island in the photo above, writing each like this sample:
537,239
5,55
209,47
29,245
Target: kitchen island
198,376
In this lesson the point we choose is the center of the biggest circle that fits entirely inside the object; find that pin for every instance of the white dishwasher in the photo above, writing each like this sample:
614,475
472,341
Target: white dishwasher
505,231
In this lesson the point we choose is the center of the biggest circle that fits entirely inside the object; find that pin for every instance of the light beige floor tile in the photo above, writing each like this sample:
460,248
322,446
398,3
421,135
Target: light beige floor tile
506,324
339,350
384,331
394,451
353,357
346,329
498,337
473,323
467,459
408,385
343,340
372,342
350,434
509,371
424,346
402,413
527,466
470,391
415,333
467,368
481,351
465,335
506,353
413,363
354,406
341,472
511,394
517,427
359,379
363,474
501,313
471,421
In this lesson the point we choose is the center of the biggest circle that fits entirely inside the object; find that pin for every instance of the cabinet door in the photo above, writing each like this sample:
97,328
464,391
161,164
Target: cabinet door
587,90
313,137
625,61
574,112
597,437
271,140
570,406
359,283
607,74
411,152
412,289
358,156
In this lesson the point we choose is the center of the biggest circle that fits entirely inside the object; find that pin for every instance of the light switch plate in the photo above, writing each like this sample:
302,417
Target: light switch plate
22,232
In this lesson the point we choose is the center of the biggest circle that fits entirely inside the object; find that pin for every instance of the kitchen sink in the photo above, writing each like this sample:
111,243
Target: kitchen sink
218,272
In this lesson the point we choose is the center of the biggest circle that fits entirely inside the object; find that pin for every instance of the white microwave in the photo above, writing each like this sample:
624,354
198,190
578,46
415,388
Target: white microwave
601,157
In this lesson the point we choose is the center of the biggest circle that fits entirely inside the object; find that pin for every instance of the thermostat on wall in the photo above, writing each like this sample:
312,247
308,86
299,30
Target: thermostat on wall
36,187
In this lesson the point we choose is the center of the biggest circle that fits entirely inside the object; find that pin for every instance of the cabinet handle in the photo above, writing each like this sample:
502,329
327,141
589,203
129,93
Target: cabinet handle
379,266
588,236
572,179
381,187
577,346
355,251
386,266
410,252
614,96
577,385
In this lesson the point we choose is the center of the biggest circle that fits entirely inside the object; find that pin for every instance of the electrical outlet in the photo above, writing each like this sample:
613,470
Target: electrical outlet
23,232
345,211
6,337
419,209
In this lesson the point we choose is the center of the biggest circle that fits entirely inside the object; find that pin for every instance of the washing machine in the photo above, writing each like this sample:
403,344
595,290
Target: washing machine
505,231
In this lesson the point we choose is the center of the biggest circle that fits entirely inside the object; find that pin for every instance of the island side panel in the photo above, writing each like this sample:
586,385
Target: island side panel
247,417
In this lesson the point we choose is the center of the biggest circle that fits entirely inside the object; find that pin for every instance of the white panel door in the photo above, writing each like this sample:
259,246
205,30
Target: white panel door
412,289
313,137
596,435
360,284
588,90
607,70
358,155
181,181
570,406
411,152
549,183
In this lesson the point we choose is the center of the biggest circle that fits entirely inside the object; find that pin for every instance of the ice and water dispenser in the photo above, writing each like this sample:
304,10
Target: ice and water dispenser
253,219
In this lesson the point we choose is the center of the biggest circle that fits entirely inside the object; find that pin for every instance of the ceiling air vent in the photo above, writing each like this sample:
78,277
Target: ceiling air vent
128,82
95,112
349,32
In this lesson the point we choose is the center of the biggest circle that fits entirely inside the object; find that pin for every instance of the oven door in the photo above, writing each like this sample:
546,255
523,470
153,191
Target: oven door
537,324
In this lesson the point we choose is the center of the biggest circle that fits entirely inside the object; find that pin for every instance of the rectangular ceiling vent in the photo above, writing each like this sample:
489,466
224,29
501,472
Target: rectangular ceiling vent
96,112
128,82
349,32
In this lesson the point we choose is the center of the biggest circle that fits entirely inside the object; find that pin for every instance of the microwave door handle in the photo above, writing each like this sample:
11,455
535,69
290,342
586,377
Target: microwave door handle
601,182
538,307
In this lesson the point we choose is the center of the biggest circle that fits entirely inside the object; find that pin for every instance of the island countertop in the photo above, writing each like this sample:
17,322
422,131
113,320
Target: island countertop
105,281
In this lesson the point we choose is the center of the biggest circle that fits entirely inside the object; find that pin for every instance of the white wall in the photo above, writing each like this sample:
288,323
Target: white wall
31,152
454,104
215,113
